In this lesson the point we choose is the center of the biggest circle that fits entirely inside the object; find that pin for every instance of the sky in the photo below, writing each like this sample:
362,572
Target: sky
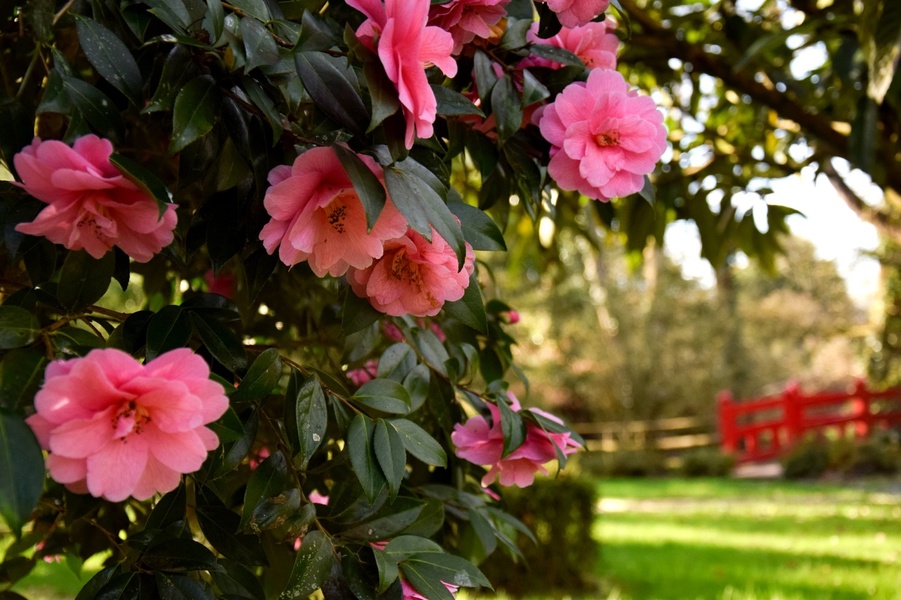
835,230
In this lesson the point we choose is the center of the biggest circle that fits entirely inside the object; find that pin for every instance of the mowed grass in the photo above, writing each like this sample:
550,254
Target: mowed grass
675,539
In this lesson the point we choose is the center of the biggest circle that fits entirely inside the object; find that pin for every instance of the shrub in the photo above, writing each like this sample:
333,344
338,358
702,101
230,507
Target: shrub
707,462
809,459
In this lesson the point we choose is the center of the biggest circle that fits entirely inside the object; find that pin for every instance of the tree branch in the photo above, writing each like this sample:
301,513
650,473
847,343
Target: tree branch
879,219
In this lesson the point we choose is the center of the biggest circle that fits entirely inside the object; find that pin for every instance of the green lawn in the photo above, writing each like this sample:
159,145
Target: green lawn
677,539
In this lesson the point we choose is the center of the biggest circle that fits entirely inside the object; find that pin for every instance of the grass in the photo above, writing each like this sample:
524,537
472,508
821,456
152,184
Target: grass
678,539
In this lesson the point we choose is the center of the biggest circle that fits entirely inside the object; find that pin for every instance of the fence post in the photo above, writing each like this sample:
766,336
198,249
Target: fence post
726,419
793,412
860,408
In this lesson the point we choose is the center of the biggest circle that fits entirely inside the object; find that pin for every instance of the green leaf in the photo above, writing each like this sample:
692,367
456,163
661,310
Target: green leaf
181,587
485,76
533,91
311,567
214,21
259,46
390,454
357,313
647,191
452,102
93,105
387,567
223,343
556,54
479,229
431,349
426,571
178,70
170,509
506,105
417,384
470,310
331,88
228,428
275,511
384,395
195,112
270,478
83,279
306,416
405,546
238,581
18,327
110,56
21,371
168,329
366,184
392,520
362,456
219,525
419,443
144,179
396,362
21,471
423,206
512,427
261,379
262,101
179,556
382,93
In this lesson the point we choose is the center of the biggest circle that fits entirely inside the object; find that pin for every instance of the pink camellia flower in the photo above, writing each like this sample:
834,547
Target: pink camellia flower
222,284
116,428
91,205
572,13
594,43
365,373
510,317
483,444
466,20
411,593
604,136
317,216
397,32
414,277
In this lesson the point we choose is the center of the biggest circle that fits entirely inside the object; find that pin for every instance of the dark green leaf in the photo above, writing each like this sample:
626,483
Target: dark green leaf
431,349
145,179
238,581
427,571
396,362
327,81
362,456
195,112
259,46
182,587
110,57
311,567
275,511
214,21
417,384
557,54
228,428
390,521
262,101
423,206
261,379
21,372
178,70
390,454
479,229
452,102
170,509
93,105
469,309
219,525
97,583
83,279
387,567
533,91
419,443
506,105
382,93
357,313
270,478
368,187
404,546
18,327
168,329
306,416
179,556
484,75
222,342
512,427
384,395
21,471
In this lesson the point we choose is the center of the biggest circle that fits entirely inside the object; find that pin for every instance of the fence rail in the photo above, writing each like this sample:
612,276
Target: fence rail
677,433
762,429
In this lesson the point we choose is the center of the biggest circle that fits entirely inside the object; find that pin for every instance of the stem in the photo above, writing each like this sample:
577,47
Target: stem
62,11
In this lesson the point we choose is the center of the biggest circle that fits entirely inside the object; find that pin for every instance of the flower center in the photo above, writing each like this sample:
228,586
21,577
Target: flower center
131,418
608,138
403,270
336,212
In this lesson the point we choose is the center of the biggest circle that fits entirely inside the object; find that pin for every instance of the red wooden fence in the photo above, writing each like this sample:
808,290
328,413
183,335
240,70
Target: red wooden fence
763,428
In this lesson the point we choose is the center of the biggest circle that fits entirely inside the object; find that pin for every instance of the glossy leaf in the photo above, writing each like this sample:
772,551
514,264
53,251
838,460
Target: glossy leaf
21,471
168,329
470,310
259,47
270,478
311,567
384,395
110,56
419,443
362,456
479,230
223,343
512,427
21,372
451,102
195,112
261,379
145,179
18,327
390,454
367,186
332,90
306,416
83,279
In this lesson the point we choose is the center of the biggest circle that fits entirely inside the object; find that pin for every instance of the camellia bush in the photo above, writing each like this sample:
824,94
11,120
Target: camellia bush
243,345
